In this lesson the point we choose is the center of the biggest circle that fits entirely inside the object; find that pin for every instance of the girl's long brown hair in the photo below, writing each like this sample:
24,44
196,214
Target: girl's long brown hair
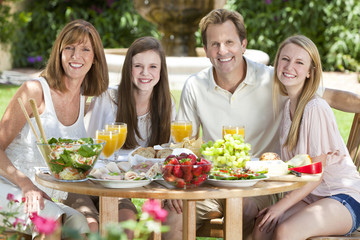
160,101
311,85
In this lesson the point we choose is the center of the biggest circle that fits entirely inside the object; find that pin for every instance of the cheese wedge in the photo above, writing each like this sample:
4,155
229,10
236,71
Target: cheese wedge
299,160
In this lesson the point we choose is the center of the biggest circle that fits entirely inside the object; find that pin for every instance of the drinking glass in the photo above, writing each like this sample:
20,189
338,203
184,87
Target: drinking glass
231,129
181,129
111,138
122,129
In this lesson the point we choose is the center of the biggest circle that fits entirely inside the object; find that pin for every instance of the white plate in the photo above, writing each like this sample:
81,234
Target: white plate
121,183
234,183
46,170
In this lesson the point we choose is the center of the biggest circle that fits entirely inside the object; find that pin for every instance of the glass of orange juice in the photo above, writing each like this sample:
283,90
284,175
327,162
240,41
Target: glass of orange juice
122,129
231,129
181,129
111,137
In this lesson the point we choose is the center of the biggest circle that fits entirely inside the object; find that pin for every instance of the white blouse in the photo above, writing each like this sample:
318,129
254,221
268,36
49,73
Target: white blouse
318,135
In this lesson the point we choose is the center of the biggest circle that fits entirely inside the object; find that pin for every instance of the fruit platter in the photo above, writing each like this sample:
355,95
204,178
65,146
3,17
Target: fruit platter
231,151
185,170
229,157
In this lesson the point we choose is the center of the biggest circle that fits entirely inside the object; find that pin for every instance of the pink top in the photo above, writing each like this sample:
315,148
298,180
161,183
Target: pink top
319,135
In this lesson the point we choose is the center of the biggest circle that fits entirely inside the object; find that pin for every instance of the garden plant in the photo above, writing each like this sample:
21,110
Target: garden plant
334,26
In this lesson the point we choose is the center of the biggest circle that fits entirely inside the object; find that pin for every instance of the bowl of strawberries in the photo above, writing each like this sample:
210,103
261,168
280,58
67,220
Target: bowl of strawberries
185,170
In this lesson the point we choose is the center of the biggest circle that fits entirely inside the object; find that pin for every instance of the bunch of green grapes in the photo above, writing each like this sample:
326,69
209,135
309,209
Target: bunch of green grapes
228,152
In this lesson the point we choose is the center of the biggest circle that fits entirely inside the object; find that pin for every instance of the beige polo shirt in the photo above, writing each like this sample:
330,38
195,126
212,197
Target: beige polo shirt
206,104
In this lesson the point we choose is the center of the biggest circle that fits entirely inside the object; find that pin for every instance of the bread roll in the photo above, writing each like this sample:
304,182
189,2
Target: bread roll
147,152
163,153
269,156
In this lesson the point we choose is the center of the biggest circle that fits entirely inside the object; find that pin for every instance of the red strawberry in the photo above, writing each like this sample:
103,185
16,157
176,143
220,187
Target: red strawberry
167,168
193,158
169,177
206,166
168,158
197,180
186,165
180,183
172,161
177,171
188,177
197,170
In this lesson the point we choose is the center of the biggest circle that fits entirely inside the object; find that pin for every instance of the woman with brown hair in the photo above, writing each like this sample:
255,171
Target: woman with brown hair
76,68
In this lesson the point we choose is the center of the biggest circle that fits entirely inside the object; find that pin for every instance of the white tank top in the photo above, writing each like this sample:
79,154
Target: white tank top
23,151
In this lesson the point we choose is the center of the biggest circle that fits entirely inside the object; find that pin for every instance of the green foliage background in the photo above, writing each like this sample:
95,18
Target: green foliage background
41,20
334,25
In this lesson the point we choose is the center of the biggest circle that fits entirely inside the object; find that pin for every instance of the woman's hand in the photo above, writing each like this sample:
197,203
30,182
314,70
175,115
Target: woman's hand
270,217
34,198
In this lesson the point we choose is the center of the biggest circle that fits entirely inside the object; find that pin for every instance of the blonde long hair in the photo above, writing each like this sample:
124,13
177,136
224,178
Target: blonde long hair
310,87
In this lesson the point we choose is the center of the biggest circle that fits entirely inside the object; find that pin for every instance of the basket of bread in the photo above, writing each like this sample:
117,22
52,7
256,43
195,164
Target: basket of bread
160,153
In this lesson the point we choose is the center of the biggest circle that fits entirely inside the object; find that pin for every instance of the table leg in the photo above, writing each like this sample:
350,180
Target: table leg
233,219
108,211
189,219
156,236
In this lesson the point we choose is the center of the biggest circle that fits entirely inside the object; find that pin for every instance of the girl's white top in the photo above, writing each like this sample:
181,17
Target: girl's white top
23,151
103,110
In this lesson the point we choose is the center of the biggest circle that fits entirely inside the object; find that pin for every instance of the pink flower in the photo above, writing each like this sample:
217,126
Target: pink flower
18,221
153,208
10,197
44,225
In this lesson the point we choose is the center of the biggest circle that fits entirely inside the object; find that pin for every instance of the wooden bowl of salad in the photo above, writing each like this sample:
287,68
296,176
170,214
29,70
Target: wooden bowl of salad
69,159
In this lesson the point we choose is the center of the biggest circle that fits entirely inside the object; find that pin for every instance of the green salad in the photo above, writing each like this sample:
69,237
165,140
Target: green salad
235,174
71,159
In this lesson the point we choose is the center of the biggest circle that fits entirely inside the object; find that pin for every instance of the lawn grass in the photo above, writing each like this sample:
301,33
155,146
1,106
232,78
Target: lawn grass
6,92
343,119
176,94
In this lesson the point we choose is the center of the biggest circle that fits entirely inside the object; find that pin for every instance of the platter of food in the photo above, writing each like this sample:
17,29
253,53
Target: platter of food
299,168
231,177
46,170
124,174
108,183
235,183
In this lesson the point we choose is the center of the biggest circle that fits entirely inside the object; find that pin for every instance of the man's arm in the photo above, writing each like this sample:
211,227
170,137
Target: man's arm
342,100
